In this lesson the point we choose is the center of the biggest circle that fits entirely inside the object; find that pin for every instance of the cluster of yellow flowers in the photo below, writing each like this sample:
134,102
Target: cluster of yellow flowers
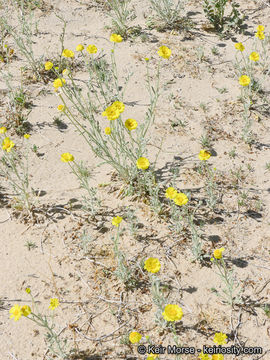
113,111
244,80
203,356
219,339
179,199
91,49
18,311
260,32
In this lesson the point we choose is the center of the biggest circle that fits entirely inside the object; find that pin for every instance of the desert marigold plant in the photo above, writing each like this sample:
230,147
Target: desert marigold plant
91,201
100,101
231,294
123,271
56,346
14,165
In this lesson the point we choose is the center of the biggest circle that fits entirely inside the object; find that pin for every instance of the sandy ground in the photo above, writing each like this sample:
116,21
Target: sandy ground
96,312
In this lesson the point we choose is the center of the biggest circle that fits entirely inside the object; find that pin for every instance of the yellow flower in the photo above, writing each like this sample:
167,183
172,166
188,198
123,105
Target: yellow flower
239,46
220,338
58,83
116,38
68,53
108,130
3,129
260,35
131,124
152,357
180,199
204,155
146,59
171,192
254,56
26,310
119,106
48,65
28,290
16,312
218,253
66,157
142,163
65,72
260,28
217,357
54,303
7,144
26,136
111,112
135,337
244,80
203,356
152,265
61,107
79,47
117,220
92,49
172,313
164,52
